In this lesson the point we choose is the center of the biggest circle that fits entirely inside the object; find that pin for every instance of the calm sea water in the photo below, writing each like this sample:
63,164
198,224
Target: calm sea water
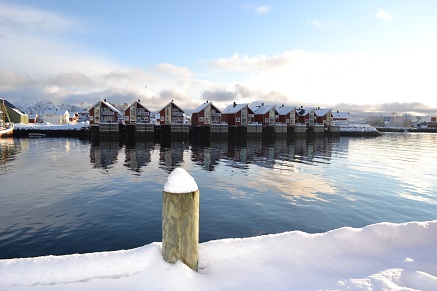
63,195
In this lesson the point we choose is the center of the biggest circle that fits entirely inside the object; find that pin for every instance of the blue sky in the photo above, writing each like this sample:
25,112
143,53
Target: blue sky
350,55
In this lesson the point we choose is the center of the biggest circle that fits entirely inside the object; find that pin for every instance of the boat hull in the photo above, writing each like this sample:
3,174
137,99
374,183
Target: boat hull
7,132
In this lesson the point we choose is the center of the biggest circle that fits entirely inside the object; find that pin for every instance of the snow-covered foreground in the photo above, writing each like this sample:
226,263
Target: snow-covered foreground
383,256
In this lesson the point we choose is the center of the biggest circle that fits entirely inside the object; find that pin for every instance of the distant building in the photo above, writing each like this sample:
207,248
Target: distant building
137,113
33,118
266,114
287,114
340,118
15,114
206,114
74,117
238,114
171,113
305,115
323,117
103,112
56,116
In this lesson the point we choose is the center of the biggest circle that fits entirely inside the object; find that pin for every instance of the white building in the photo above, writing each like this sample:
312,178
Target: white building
340,118
56,116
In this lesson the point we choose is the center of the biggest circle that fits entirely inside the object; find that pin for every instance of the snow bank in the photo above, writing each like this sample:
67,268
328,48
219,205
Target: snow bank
49,126
179,181
383,256
357,128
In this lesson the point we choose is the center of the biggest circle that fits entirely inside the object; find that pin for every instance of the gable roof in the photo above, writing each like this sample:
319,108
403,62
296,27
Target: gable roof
322,112
11,106
141,105
342,115
263,109
55,112
283,110
108,105
171,102
302,111
201,107
231,109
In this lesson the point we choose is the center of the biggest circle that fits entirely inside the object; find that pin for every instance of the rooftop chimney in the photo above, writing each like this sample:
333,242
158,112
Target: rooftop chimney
235,104
139,101
104,99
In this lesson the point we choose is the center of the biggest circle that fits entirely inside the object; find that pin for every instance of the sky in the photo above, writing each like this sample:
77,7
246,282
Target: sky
376,56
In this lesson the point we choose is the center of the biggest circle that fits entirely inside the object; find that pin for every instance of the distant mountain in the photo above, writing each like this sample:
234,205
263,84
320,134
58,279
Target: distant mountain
40,106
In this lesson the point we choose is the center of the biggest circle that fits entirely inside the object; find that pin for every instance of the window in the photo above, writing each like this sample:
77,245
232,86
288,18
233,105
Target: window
237,119
287,121
201,119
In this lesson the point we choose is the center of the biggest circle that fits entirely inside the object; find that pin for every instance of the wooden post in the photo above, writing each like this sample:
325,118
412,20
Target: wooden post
180,227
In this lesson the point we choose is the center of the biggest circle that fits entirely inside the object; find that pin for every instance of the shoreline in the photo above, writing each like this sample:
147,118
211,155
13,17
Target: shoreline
85,131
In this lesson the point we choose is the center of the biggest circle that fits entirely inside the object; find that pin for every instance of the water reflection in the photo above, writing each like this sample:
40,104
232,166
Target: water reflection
138,155
209,156
8,152
104,153
172,156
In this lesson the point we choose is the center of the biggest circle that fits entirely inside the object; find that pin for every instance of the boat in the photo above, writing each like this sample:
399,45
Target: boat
6,126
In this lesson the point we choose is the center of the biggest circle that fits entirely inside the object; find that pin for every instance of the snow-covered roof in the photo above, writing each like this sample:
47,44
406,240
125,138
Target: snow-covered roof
322,112
171,102
263,109
108,105
201,107
283,110
11,106
302,111
139,104
55,112
340,115
232,109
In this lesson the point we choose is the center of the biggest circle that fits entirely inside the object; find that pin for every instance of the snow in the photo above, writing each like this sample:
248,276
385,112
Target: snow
179,181
382,256
357,128
49,126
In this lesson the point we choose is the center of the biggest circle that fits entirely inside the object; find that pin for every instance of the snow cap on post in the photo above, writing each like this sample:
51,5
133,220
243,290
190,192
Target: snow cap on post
179,181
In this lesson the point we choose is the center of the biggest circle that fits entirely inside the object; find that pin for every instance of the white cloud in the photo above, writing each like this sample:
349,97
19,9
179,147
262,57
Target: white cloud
384,16
263,9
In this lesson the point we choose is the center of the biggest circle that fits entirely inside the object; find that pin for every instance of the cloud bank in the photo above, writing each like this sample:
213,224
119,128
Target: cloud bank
42,62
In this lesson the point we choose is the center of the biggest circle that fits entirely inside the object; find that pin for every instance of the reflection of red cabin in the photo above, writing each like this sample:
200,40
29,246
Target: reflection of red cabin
206,114
238,114
136,113
305,116
287,114
103,112
171,113
323,116
266,114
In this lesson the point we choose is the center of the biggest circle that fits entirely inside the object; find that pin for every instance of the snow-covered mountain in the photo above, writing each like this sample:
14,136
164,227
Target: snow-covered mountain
40,106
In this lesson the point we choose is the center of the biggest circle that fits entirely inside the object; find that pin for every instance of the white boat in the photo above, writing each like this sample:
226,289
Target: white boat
6,126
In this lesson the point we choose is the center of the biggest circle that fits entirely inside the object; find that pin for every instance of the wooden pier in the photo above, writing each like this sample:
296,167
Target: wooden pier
212,132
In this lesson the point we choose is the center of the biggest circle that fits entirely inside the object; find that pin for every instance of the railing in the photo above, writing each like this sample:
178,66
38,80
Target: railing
107,112
177,114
